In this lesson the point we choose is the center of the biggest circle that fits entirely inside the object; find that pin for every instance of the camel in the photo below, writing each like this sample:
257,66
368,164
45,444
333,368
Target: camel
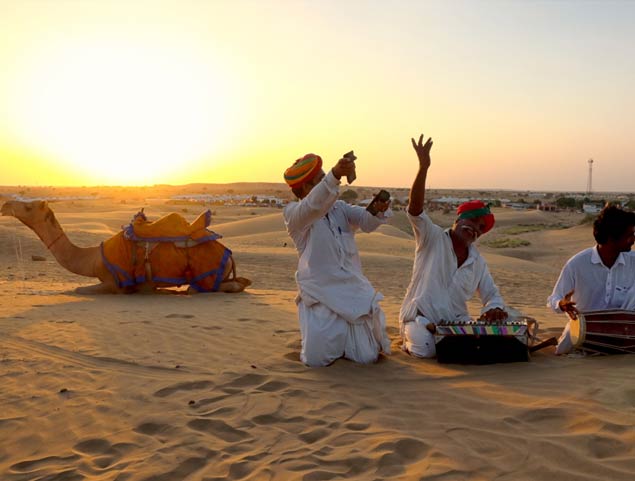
88,261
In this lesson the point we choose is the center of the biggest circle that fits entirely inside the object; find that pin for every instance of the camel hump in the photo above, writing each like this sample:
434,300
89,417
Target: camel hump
172,227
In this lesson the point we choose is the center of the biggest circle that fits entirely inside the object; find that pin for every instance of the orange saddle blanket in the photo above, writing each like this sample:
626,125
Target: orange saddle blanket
168,252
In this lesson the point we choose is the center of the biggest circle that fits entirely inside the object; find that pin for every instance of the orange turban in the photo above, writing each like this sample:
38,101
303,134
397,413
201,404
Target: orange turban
303,170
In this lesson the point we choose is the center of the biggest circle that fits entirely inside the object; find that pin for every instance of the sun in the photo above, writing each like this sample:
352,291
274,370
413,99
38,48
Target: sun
123,113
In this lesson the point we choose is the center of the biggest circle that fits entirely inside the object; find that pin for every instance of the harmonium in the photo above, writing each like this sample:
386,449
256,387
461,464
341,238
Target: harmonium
481,342
608,331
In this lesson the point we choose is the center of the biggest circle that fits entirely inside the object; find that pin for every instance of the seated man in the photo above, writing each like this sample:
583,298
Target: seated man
600,277
447,268
338,308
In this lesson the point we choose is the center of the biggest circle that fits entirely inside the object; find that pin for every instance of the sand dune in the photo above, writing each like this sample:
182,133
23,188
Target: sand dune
210,387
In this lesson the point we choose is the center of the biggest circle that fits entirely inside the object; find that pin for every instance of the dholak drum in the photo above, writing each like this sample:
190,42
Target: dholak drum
478,342
610,331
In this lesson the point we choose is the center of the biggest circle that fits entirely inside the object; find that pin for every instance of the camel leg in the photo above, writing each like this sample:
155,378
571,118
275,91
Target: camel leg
101,288
231,283
235,285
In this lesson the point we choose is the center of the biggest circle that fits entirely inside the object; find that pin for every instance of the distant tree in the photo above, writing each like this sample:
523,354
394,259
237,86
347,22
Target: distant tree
497,203
566,202
348,195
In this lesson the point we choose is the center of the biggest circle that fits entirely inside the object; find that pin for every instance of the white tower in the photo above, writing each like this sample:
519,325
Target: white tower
589,181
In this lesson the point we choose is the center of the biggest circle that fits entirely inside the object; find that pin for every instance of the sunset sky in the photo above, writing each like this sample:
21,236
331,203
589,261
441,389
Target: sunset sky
515,94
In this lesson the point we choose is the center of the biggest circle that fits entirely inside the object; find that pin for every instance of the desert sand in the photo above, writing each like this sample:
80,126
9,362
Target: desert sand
210,387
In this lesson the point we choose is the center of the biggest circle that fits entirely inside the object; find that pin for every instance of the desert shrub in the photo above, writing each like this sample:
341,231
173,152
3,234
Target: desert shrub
523,228
506,242
348,196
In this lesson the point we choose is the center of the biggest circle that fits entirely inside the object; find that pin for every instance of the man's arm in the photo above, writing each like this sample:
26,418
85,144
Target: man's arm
417,192
493,304
300,215
560,298
358,217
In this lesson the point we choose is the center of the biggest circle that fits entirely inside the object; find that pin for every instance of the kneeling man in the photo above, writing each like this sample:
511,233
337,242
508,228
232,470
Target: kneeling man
338,307
448,268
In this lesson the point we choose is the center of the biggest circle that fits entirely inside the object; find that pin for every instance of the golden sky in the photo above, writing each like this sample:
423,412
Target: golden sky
516,94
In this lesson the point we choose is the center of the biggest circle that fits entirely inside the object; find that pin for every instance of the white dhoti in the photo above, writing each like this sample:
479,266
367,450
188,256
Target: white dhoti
417,339
565,345
326,336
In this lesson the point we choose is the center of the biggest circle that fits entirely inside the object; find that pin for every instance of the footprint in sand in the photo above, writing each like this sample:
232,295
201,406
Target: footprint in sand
93,446
32,465
357,426
101,453
184,386
247,380
401,452
605,447
152,429
549,416
275,418
629,397
219,429
184,469
179,316
314,435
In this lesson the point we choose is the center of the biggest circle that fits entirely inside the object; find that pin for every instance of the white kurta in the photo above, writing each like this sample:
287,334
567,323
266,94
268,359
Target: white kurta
330,274
595,286
439,290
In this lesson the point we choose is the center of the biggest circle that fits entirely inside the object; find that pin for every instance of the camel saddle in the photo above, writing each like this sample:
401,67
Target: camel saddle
168,251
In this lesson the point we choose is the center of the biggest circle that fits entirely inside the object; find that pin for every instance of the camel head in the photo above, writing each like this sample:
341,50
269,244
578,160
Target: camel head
29,213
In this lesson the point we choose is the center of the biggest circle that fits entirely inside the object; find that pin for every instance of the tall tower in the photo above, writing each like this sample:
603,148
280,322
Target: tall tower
589,181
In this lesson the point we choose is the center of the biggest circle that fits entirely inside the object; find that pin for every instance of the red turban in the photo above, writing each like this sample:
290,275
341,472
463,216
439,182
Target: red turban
476,208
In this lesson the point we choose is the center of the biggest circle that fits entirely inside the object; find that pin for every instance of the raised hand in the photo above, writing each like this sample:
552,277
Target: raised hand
344,167
423,151
418,189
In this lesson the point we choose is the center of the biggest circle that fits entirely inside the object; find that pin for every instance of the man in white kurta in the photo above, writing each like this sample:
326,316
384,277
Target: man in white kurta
338,307
599,277
448,269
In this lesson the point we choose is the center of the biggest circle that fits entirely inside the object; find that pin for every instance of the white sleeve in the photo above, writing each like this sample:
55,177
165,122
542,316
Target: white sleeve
424,229
564,285
359,218
488,291
300,215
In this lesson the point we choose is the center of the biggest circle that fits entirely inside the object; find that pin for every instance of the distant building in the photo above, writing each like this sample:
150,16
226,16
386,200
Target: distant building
591,208
547,207
519,205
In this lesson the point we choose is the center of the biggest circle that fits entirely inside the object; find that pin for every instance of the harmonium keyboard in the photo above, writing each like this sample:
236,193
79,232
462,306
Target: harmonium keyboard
481,342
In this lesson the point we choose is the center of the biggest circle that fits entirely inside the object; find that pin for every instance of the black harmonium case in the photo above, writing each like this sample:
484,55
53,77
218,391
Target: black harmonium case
477,342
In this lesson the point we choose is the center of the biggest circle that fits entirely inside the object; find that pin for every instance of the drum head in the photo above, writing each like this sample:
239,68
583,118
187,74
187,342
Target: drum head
578,330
